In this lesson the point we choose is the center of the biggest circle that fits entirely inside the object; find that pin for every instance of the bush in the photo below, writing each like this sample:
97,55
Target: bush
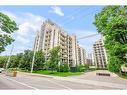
63,68
125,65
66,68
80,68
86,66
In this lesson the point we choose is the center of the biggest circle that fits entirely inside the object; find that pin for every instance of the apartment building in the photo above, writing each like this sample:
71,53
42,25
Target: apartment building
52,35
99,54
81,55
90,59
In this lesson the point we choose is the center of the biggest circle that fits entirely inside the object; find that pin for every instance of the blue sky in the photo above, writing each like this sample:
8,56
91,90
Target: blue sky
73,19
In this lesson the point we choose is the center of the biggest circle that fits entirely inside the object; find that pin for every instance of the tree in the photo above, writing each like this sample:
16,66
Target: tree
15,60
54,58
46,65
7,26
39,60
111,22
3,60
25,62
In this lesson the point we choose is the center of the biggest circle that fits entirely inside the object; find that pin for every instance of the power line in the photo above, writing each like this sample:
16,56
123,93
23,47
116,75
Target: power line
75,12
88,36
80,16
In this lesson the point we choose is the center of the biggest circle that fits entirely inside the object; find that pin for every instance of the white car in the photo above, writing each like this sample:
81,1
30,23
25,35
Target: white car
1,69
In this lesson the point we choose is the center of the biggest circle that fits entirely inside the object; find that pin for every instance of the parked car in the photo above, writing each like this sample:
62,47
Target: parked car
1,69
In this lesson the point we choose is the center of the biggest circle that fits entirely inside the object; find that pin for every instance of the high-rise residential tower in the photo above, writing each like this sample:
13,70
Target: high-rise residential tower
100,54
52,35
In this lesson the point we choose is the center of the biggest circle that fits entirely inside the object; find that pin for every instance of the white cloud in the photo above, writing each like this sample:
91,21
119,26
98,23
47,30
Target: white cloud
22,40
28,24
57,10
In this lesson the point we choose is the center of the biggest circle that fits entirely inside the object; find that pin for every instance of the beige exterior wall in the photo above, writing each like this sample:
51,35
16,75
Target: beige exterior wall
99,54
52,35
81,55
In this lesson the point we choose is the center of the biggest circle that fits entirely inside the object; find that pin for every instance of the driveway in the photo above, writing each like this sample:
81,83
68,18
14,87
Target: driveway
92,76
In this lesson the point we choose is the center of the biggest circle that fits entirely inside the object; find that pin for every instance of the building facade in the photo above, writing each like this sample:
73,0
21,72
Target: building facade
52,35
81,55
100,58
90,59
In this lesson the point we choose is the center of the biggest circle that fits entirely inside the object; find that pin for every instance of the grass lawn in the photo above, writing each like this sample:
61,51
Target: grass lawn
124,76
62,74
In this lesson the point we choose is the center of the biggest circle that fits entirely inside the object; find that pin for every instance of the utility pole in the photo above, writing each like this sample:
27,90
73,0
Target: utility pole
33,61
8,61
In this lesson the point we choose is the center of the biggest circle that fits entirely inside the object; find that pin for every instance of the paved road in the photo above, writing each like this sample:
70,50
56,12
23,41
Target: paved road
27,81
92,76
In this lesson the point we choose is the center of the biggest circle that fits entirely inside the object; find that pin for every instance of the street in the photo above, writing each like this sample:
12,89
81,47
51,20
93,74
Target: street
25,81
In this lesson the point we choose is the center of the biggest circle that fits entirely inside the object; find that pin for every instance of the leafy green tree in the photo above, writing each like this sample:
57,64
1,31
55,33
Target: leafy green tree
39,60
111,22
54,58
25,62
3,61
46,64
15,60
7,26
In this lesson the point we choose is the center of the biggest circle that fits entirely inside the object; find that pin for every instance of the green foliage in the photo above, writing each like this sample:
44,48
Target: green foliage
126,65
39,60
26,60
62,74
7,26
80,68
86,66
60,68
63,68
114,64
54,58
46,65
3,61
111,22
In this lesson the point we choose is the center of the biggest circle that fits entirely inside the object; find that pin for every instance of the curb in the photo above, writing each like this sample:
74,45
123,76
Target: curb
39,75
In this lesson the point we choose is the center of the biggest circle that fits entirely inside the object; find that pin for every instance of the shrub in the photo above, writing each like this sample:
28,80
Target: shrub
80,68
125,65
65,68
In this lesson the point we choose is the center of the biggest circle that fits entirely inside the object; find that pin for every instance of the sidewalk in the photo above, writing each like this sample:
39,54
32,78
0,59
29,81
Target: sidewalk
82,81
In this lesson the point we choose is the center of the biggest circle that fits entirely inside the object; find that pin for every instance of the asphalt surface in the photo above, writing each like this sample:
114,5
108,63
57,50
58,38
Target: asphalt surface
92,76
30,82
